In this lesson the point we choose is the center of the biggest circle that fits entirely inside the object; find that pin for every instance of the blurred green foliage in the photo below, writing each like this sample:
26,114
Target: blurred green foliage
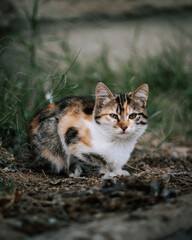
7,186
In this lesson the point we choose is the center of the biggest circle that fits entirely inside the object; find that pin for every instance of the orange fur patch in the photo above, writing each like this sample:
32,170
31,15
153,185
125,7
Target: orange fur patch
125,107
47,154
128,109
103,114
34,125
54,159
73,149
86,137
69,119
88,117
108,119
49,109
74,119
51,105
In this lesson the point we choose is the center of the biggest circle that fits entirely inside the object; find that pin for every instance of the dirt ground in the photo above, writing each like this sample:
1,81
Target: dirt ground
154,202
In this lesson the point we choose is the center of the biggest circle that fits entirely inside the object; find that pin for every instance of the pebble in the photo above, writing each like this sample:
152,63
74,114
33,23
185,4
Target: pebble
52,220
175,155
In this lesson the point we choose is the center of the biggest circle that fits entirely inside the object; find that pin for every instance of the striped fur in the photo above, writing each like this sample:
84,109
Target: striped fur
80,135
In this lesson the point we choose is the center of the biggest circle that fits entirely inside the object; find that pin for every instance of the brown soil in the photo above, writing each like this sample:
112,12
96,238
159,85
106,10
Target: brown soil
40,203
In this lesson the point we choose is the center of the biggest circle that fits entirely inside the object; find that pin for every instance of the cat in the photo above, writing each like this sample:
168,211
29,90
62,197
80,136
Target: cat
80,135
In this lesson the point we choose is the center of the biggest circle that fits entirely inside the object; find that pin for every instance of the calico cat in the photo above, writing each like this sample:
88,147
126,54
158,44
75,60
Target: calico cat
80,135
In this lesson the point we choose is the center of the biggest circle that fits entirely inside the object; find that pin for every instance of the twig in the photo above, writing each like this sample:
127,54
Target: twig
15,180
22,183
29,172
137,169
189,174
21,176
44,173
5,173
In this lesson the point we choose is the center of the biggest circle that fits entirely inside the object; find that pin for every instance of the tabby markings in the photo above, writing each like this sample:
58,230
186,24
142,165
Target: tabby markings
145,116
142,123
57,160
94,158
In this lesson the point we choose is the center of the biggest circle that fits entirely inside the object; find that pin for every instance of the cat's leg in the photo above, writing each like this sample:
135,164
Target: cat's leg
77,172
74,169
92,164
117,169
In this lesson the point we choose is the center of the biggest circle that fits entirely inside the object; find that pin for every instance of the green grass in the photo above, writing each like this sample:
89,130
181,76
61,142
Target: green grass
26,78
7,186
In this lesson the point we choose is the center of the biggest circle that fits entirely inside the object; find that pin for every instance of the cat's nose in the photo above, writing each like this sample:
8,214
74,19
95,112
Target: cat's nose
123,127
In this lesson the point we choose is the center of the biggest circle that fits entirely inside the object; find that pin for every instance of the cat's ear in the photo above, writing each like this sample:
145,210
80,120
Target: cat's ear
141,94
103,94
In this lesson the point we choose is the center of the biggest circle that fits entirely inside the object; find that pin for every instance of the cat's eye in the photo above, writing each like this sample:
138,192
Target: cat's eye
113,115
133,115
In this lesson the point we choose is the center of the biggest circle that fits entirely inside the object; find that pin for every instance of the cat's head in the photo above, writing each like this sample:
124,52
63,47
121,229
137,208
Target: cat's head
121,115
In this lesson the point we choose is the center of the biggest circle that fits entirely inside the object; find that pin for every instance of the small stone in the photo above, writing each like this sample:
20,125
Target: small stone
175,155
52,220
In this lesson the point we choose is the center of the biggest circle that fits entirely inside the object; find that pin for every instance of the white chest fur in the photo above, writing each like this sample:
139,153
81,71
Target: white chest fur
116,152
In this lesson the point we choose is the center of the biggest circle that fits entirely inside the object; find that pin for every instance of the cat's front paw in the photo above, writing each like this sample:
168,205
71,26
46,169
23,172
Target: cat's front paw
122,172
118,172
109,175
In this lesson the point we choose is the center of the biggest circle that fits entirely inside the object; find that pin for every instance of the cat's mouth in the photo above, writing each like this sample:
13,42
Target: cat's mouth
123,135
123,132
